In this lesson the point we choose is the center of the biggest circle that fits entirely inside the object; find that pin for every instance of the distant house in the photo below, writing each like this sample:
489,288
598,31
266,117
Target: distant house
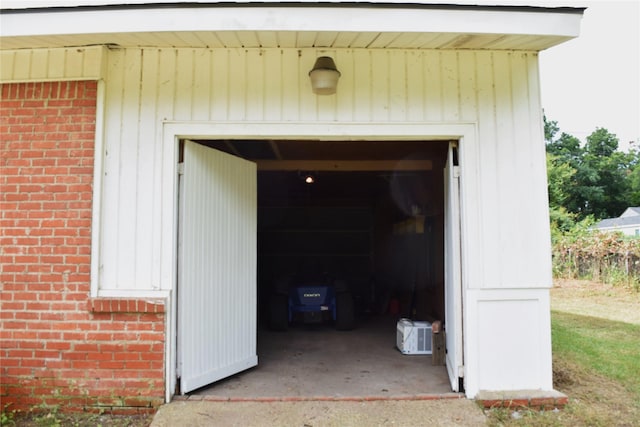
628,223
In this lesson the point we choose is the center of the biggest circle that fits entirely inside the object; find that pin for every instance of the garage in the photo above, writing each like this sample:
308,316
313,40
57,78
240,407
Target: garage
427,159
363,218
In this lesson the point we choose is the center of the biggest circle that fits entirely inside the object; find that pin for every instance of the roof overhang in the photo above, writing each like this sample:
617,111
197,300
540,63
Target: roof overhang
47,24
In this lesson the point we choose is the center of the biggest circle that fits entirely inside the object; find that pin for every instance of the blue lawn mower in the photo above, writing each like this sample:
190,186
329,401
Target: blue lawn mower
311,303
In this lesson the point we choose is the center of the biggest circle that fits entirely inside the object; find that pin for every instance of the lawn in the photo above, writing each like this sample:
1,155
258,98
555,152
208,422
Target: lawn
596,357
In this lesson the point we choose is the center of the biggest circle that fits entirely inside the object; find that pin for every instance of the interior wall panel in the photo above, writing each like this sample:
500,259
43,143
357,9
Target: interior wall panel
497,91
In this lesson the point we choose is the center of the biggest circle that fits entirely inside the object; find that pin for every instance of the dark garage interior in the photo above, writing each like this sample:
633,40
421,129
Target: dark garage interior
349,226
368,214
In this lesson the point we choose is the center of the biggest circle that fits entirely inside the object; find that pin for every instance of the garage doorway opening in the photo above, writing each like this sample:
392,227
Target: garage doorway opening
366,214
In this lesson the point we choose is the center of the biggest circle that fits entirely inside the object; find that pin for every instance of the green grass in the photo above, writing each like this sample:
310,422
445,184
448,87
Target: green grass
607,347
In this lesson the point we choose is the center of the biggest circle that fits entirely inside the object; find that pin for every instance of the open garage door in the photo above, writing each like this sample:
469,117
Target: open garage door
217,271
372,217
452,272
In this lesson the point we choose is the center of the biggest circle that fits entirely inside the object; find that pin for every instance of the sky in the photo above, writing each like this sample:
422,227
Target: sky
594,81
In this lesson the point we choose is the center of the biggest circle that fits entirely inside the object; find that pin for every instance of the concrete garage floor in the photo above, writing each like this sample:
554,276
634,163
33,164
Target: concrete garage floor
318,362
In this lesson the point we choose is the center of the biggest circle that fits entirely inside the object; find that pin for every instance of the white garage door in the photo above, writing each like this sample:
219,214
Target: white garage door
217,270
452,273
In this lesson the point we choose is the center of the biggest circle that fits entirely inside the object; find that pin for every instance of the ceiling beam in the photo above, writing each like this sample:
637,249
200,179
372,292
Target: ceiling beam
344,165
276,149
232,148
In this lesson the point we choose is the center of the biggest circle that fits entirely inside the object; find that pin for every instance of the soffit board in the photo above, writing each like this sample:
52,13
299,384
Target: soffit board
323,26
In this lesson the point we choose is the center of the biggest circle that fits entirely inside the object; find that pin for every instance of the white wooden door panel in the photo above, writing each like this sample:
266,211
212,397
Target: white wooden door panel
452,272
217,287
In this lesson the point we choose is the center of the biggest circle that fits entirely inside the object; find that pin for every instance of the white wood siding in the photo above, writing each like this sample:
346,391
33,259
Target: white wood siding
80,63
497,91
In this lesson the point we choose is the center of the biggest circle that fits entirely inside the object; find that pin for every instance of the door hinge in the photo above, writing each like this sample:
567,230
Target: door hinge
180,168
456,171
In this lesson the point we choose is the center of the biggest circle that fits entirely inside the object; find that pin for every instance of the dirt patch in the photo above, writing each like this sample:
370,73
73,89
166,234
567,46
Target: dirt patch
594,399
596,299
80,420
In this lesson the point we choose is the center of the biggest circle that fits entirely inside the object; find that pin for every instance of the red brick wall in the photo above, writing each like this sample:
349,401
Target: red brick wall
58,346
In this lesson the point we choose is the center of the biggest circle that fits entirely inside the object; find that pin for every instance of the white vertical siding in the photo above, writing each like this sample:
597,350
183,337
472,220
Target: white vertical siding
87,63
514,201
495,90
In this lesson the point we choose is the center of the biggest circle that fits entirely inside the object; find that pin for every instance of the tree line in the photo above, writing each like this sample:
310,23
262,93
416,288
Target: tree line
595,180
588,182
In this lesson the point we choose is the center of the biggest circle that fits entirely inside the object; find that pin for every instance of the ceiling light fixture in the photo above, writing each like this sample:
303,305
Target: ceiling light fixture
324,76
309,179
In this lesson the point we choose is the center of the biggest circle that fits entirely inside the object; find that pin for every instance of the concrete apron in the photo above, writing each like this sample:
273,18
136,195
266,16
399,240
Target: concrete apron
319,363
315,375
444,412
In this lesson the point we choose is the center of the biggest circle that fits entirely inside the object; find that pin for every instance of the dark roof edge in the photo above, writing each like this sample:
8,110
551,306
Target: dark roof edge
300,4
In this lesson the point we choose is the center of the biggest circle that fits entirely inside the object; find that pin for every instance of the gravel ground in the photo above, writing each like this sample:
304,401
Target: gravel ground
448,412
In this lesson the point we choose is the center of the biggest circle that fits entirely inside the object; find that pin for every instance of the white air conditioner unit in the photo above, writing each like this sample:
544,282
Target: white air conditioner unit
414,337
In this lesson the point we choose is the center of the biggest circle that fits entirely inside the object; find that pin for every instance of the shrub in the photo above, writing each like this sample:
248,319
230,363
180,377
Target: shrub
584,253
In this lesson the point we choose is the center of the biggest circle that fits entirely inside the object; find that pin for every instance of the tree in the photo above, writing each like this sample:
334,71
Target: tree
567,148
609,188
602,143
633,176
591,179
560,176
580,186
550,129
